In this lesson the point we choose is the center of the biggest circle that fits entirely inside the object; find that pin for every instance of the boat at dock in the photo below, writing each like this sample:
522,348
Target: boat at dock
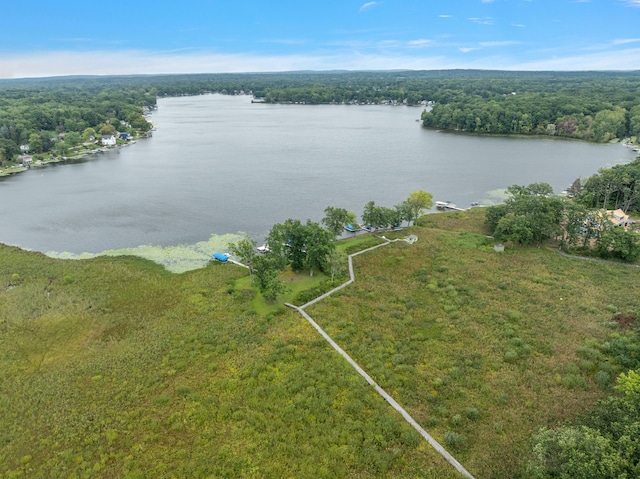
222,257
447,205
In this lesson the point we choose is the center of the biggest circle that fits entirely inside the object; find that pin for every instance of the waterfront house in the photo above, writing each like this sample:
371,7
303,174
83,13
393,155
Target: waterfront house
619,218
108,140
26,160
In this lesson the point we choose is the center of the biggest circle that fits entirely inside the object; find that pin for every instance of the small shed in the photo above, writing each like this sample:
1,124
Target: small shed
499,247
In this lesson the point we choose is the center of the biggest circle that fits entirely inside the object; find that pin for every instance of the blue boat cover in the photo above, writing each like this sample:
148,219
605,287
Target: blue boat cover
220,257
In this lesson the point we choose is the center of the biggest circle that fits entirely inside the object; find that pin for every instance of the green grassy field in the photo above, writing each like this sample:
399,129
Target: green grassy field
114,367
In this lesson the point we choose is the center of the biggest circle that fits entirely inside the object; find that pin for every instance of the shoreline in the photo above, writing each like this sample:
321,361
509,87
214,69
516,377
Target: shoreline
84,154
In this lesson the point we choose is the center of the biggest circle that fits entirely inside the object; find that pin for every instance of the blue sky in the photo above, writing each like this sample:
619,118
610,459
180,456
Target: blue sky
47,38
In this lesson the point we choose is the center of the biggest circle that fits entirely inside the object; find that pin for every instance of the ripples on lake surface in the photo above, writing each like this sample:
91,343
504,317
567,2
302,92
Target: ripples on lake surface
221,165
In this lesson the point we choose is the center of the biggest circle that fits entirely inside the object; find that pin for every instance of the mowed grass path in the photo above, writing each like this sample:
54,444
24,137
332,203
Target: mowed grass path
113,367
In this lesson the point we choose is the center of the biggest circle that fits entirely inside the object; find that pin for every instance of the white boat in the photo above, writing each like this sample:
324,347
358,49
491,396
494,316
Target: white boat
263,249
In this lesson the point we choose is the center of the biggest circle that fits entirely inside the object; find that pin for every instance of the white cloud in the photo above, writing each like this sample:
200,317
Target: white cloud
133,62
285,41
503,43
606,60
632,3
487,1
445,16
625,41
519,25
481,20
422,42
368,5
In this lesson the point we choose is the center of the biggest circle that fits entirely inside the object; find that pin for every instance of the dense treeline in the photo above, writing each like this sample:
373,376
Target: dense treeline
586,105
595,107
593,220
55,115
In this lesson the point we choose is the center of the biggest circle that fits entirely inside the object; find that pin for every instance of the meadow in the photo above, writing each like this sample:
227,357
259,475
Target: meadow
115,367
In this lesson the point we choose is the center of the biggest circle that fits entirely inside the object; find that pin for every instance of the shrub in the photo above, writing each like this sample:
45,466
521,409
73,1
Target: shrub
437,382
454,440
573,381
588,353
432,421
183,391
513,315
422,274
456,420
602,378
472,413
510,356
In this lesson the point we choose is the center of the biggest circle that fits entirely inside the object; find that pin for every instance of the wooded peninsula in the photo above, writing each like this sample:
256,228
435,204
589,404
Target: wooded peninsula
53,117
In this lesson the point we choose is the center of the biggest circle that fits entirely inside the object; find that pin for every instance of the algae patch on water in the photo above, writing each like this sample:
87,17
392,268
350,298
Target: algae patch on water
177,259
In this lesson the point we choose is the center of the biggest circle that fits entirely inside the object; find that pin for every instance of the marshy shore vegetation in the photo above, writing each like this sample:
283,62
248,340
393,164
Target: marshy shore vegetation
114,367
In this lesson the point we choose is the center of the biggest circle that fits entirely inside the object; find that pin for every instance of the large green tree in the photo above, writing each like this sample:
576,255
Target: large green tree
267,271
245,250
319,243
287,242
381,217
302,246
336,219
417,202
8,150
530,214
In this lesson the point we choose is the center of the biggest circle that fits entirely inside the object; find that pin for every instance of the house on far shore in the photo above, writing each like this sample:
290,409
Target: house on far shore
26,160
124,136
108,140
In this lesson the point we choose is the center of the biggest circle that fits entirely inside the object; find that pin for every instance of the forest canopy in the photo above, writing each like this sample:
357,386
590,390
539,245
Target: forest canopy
594,106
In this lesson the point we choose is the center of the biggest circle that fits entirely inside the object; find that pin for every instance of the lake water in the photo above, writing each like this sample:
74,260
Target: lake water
220,165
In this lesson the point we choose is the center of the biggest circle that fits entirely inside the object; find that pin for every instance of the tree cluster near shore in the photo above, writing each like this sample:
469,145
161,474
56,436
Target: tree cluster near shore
309,246
584,223
589,105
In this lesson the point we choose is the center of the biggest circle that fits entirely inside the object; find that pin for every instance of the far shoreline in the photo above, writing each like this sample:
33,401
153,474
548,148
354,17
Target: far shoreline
82,155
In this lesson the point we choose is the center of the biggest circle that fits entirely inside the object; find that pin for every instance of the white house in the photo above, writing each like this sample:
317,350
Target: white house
108,140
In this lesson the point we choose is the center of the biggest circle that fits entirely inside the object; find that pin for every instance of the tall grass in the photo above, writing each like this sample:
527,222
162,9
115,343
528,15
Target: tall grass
113,367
